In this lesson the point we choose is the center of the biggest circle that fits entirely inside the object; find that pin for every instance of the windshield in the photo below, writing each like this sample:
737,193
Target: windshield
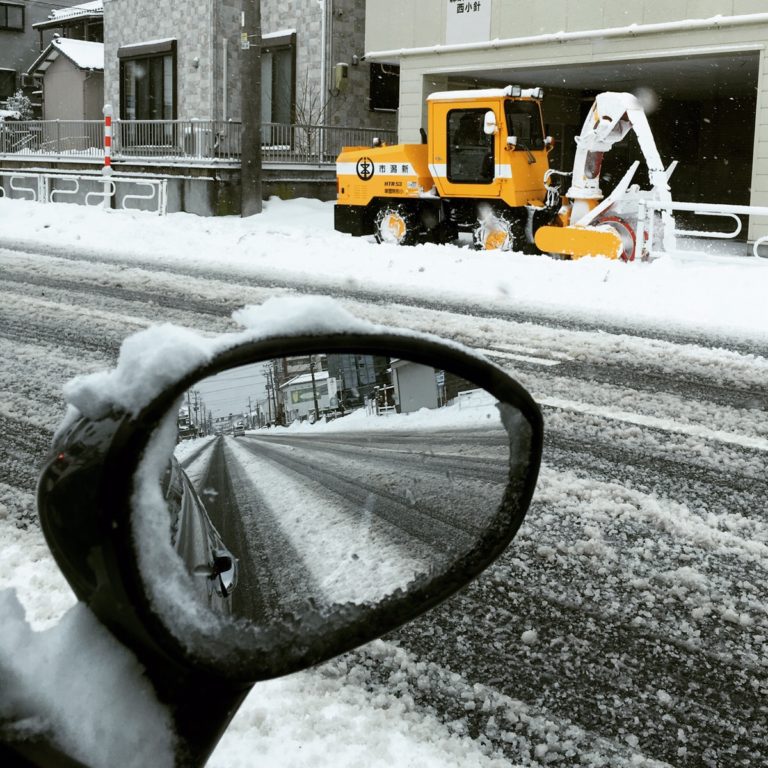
524,122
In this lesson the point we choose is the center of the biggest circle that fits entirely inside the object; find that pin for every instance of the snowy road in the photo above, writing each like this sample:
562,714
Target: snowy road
629,621
366,516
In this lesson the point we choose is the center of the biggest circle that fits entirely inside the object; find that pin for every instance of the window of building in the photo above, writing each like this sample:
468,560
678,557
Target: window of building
384,95
148,81
7,83
470,148
278,81
12,16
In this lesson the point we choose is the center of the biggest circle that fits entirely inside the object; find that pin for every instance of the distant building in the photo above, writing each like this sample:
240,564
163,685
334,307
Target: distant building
70,69
72,73
78,22
415,386
358,376
21,44
300,393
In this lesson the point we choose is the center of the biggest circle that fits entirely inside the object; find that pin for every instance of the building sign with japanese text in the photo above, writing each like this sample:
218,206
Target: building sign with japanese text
468,21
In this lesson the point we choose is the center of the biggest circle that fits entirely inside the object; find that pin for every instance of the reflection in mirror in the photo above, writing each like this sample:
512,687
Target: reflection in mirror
331,479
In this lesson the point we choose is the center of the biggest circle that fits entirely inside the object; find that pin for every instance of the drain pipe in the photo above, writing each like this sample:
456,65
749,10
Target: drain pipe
224,89
324,53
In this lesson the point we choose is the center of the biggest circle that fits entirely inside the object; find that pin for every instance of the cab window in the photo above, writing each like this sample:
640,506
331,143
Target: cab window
470,149
524,122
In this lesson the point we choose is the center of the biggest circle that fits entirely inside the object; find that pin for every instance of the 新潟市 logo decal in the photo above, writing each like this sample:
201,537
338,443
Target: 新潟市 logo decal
364,168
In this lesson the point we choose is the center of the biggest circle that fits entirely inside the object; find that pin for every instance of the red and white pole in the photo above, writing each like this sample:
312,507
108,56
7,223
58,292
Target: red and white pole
107,168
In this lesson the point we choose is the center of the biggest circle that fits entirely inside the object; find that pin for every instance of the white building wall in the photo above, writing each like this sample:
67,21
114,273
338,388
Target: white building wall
394,25
63,86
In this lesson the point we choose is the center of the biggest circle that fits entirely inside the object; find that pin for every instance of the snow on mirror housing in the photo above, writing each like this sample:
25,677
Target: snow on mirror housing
377,475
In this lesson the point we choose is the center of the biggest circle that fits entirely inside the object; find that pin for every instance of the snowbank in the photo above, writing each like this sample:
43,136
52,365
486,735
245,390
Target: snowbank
294,242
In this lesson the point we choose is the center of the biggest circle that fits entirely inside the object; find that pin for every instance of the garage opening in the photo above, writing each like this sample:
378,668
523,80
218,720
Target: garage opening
701,110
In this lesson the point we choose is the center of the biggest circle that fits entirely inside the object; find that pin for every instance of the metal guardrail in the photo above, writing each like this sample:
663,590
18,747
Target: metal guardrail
94,189
179,141
645,235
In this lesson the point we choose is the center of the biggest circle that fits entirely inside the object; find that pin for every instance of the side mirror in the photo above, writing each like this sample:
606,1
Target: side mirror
231,560
490,126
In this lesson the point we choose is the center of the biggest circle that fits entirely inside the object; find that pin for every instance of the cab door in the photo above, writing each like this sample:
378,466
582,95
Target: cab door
465,163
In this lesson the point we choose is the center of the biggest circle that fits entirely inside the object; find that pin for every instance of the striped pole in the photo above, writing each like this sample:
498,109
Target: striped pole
107,169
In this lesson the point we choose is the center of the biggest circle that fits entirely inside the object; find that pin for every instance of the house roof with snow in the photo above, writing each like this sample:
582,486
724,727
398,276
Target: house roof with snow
83,54
59,17
305,378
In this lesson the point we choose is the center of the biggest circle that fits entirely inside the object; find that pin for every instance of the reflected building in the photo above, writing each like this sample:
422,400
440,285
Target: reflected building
357,376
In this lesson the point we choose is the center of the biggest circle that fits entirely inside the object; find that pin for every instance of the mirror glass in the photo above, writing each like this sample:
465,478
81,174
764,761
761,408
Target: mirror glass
332,479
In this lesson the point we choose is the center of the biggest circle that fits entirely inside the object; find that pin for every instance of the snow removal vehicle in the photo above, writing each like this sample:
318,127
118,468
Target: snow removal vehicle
482,167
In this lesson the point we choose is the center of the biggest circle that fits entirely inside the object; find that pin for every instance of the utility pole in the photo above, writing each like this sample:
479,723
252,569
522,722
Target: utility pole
314,388
250,108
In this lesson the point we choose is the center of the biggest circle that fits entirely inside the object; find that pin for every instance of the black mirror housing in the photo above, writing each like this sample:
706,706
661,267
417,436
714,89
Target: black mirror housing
87,495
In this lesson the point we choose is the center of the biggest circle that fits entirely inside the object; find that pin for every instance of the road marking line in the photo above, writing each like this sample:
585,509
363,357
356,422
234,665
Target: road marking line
521,358
667,425
519,348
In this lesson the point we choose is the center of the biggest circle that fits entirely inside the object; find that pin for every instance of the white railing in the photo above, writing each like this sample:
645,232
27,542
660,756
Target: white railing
93,189
180,140
52,137
646,224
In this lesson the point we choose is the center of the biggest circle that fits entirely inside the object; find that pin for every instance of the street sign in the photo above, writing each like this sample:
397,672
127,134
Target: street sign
245,43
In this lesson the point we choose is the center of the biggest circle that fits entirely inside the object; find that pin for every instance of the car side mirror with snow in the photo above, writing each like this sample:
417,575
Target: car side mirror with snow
380,471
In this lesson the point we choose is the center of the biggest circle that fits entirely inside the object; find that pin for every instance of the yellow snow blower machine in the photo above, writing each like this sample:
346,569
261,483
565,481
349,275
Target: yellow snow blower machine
482,167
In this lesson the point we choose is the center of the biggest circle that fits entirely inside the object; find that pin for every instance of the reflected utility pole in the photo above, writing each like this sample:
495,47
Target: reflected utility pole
314,389
250,108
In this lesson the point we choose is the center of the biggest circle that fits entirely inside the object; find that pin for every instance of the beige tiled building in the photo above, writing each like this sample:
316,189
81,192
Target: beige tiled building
194,46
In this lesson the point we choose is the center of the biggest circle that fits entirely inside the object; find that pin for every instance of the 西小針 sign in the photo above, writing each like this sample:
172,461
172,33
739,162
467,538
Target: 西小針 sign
467,21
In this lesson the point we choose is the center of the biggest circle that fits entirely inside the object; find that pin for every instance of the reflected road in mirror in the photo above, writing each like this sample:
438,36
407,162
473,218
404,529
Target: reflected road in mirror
328,497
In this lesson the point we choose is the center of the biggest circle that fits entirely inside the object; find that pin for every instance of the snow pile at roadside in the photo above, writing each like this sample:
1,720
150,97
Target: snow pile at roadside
294,242
475,410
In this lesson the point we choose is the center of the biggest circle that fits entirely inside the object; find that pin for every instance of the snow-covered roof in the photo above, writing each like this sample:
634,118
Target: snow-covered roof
84,9
279,33
143,43
82,53
60,16
486,93
305,378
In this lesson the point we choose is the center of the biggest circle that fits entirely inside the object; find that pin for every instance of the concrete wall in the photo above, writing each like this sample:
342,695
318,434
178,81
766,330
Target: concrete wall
72,93
415,386
63,89
93,96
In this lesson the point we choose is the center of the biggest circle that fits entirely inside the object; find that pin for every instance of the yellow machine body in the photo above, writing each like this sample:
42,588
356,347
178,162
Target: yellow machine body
397,171
517,171
482,167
